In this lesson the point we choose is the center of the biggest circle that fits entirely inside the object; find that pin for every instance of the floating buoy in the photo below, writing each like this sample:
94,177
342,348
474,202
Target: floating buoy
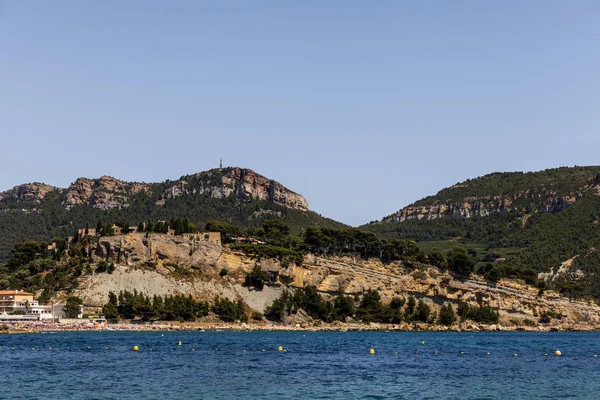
280,348
106,348
135,348
545,354
557,353
179,343
193,349
263,349
395,352
596,355
422,342
162,335
515,355
462,352
371,351
488,353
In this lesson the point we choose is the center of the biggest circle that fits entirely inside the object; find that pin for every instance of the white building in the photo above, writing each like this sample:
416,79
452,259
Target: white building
20,301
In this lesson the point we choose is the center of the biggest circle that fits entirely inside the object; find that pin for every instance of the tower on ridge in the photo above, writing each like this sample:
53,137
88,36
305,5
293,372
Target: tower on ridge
221,164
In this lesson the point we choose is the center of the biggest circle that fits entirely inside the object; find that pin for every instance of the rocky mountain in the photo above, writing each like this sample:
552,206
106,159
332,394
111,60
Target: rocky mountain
547,191
515,221
40,212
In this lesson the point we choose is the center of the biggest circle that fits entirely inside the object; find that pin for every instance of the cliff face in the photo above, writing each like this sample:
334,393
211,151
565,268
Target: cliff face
244,184
104,193
147,265
30,192
107,192
547,191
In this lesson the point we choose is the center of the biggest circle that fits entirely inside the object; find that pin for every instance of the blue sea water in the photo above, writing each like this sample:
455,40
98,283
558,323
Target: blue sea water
314,365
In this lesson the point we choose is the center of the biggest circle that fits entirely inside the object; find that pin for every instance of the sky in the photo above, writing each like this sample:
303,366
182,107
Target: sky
361,106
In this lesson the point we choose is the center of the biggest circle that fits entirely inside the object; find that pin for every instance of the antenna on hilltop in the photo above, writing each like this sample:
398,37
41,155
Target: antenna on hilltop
221,164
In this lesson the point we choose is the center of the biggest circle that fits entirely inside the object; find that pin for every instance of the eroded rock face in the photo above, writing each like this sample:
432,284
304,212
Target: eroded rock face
482,206
32,192
107,192
242,183
146,264
104,193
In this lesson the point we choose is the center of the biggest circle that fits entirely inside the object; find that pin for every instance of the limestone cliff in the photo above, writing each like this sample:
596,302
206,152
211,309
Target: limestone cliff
29,192
242,183
158,265
104,193
547,191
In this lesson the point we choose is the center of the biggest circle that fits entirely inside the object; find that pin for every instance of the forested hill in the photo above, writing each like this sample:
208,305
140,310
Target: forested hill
542,220
240,196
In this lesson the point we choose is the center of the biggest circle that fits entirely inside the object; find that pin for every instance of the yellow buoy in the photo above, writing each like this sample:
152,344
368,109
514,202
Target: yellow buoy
557,353
280,348
423,342
371,351
179,343
135,348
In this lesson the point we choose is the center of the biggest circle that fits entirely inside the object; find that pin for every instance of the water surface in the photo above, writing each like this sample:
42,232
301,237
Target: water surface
314,365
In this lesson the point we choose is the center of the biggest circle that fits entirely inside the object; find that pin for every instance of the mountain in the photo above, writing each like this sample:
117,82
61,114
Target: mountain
37,211
546,220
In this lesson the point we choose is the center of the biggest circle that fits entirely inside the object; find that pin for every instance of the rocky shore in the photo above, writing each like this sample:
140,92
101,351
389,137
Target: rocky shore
36,327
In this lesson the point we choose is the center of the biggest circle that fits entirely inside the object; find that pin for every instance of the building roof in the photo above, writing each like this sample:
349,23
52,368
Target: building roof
13,292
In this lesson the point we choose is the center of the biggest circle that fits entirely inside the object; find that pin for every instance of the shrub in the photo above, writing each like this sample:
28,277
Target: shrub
447,315
223,272
257,316
256,278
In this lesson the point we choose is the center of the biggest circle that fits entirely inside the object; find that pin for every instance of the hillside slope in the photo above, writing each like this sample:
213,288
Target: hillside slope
533,220
199,263
41,212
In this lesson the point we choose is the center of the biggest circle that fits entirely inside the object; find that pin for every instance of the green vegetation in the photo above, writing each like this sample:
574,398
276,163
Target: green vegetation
256,278
229,311
131,305
484,314
535,231
49,218
368,308
72,307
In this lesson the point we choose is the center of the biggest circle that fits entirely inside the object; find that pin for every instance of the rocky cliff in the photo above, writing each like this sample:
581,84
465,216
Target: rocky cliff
107,192
243,184
548,191
162,265
29,192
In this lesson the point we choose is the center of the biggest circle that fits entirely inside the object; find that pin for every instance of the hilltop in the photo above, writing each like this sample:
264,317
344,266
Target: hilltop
546,221
37,211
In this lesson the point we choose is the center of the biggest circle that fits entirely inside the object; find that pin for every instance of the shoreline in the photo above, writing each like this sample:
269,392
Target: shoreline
16,328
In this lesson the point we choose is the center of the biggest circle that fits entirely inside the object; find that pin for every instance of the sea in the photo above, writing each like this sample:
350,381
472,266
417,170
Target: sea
299,365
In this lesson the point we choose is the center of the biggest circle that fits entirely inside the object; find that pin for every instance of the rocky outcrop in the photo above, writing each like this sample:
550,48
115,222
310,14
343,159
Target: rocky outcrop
107,192
481,206
30,192
153,265
242,183
104,193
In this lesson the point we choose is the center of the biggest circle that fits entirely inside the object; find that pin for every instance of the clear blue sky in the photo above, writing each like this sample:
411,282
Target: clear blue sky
361,106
